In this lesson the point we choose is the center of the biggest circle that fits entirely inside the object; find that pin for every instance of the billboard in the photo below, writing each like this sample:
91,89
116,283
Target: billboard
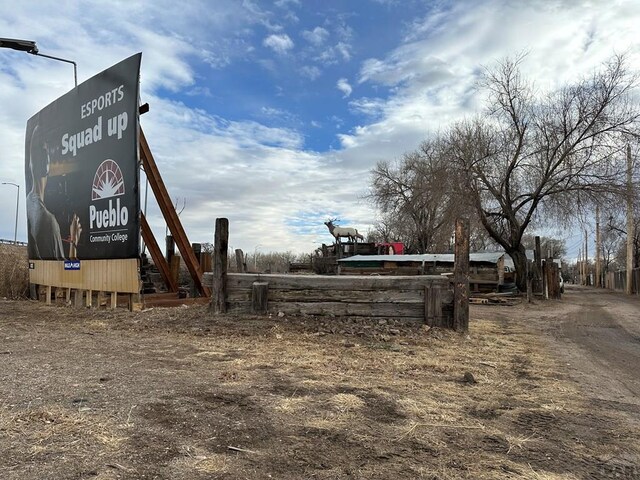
81,170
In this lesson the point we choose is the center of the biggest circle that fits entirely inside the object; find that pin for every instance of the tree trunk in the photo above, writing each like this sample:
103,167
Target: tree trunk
519,257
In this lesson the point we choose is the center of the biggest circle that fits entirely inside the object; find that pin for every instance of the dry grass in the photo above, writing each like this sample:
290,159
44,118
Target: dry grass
299,403
14,271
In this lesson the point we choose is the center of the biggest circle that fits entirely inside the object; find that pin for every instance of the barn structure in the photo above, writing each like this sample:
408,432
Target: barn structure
486,272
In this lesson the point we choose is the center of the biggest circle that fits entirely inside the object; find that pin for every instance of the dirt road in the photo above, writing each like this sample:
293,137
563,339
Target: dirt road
598,337
595,336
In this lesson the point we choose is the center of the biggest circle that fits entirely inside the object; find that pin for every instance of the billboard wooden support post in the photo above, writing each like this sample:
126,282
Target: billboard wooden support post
171,216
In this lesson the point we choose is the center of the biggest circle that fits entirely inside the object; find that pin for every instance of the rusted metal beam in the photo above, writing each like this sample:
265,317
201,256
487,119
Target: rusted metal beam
156,254
171,216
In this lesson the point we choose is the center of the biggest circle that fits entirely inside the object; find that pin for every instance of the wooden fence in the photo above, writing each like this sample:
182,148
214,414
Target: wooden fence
427,299
435,300
618,280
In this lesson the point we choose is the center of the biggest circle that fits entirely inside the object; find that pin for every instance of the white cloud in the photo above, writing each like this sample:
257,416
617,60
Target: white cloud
334,54
261,176
344,87
310,71
280,43
344,49
369,106
317,36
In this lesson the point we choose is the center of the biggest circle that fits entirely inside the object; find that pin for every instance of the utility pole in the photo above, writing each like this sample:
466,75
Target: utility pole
630,232
586,258
579,264
598,247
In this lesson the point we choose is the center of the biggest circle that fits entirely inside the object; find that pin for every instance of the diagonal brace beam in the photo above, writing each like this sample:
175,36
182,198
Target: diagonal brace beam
171,216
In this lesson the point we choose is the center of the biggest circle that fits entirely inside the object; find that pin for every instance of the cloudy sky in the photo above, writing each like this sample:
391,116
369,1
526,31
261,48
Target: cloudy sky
272,113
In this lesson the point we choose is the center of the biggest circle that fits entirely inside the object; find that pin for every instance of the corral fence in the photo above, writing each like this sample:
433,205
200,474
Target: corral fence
431,299
423,299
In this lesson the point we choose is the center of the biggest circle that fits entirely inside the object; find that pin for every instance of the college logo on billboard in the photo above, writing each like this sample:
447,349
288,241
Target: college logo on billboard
108,182
81,170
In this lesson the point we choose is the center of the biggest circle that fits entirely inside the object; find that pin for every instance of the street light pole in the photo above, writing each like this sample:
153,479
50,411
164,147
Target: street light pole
15,231
30,46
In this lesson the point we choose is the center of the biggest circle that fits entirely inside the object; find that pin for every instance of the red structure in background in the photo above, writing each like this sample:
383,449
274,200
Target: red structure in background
390,248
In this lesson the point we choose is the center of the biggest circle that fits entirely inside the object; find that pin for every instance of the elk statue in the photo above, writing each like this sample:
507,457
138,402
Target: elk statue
339,232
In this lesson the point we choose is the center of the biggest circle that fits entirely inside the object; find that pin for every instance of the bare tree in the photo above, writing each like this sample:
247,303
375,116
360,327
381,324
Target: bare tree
416,198
530,157
615,238
553,247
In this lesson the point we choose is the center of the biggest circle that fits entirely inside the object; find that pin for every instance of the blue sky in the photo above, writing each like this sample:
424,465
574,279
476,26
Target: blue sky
273,113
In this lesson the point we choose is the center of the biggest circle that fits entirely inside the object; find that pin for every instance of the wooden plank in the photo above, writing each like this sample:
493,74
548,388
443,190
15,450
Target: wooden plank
109,275
48,295
171,216
333,282
339,309
171,300
156,254
338,295
88,298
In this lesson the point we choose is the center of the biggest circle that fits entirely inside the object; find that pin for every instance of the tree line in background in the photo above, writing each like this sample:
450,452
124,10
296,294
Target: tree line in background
531,160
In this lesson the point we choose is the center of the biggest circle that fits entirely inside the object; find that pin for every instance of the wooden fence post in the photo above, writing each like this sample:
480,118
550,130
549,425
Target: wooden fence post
220,248
461,277
538,258
259,297
197,251
241,266
174,265
170,248
433,306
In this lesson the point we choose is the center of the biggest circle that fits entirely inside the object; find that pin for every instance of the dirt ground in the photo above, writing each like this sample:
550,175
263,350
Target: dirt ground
543,391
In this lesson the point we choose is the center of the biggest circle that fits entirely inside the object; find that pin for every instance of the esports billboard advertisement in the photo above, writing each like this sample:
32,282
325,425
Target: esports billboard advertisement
81,170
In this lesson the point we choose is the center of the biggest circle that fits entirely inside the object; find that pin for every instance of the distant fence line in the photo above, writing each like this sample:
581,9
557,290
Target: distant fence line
618,280
11,242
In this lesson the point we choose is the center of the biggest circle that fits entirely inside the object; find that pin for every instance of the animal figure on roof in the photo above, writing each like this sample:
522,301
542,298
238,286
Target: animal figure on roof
342,232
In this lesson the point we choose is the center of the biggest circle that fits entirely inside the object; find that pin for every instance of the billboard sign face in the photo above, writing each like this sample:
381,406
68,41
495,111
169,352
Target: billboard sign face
81,170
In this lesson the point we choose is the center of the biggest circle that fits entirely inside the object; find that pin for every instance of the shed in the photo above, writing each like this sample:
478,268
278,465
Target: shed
486,268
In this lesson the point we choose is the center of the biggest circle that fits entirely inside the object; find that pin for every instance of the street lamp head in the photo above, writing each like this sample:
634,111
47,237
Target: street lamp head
28,46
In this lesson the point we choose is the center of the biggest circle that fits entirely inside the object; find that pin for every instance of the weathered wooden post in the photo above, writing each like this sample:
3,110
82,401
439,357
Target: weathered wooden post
461,277
174,266
220,247
170,249
433,306
538,259
259,297
197,252
241,266
553,280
